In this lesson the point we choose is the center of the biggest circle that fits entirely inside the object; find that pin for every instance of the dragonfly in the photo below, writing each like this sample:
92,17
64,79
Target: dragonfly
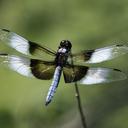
32,64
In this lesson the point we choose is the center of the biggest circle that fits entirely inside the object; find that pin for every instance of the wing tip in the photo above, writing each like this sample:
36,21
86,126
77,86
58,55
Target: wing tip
124,76
6,30
3,54
119,45
122,45
117,70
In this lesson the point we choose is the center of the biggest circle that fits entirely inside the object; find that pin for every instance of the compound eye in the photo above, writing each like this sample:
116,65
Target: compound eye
62,43
66,43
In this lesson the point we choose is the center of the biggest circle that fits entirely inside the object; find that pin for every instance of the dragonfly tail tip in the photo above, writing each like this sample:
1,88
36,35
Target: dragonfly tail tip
47,102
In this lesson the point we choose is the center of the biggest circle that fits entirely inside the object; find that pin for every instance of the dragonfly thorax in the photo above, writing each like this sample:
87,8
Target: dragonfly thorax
63,52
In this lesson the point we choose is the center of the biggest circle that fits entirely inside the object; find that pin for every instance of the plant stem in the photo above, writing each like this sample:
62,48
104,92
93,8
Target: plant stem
79,99
83,120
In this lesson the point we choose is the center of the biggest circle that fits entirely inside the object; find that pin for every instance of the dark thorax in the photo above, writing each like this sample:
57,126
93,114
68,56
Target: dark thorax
63,53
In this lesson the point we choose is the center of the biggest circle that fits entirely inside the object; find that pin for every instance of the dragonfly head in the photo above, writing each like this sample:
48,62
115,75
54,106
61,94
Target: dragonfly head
66,44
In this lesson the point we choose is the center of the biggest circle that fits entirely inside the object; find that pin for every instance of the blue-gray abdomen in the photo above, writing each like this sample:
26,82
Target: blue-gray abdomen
54,85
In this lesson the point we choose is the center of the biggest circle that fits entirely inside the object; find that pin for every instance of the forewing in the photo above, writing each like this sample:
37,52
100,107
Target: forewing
100,55
29,67
89,76
22,45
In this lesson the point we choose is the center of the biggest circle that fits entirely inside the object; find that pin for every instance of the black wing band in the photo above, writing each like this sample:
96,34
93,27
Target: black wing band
29,67
74,73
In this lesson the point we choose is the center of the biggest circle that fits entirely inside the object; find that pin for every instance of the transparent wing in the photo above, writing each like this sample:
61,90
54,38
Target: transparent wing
22,45
89,76
29,67
100,55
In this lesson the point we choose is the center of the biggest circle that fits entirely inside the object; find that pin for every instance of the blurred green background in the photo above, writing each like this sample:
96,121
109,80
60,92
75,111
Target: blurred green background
88,24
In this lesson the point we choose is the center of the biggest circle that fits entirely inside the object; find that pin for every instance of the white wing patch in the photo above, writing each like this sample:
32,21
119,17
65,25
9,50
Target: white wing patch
94,76
15,41
100,55
107,53
19,43
102,75
19,64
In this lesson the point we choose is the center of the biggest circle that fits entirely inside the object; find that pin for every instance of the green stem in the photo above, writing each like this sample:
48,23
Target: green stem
83,120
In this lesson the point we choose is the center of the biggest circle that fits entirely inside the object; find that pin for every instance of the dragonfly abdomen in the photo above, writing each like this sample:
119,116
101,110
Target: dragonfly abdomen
54,85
